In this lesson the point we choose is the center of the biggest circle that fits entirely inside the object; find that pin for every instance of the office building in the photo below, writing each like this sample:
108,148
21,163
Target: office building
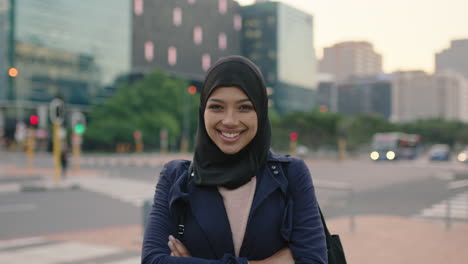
417,95
351,59
454,58
279,39
184,38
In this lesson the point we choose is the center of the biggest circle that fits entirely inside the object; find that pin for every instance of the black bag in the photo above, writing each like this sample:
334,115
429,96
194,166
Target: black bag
335,249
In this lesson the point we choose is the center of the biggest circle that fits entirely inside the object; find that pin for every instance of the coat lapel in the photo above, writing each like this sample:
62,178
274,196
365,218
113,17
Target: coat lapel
210,213
271,178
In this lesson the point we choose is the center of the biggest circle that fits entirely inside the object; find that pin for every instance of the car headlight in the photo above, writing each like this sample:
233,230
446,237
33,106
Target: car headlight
462,157
374,155
390,155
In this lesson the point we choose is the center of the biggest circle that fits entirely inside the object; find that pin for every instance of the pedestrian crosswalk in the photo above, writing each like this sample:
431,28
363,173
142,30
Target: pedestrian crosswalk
40,250
456,208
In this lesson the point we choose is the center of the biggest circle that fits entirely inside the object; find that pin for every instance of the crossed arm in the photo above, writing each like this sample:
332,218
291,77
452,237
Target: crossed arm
283,256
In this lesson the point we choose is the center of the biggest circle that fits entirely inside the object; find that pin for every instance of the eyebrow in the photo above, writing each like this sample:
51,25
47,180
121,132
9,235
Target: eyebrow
238,101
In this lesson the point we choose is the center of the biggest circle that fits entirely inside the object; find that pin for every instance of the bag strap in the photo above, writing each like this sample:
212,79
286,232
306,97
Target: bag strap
284,166
183,216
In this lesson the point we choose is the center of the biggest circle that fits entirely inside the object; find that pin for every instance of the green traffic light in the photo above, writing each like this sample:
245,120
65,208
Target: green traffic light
79,129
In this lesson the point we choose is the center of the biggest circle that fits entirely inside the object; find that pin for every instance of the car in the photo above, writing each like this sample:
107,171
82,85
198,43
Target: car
463,156
439,152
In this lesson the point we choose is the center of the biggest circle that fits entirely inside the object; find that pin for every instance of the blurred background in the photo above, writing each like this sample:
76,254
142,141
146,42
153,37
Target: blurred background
95,96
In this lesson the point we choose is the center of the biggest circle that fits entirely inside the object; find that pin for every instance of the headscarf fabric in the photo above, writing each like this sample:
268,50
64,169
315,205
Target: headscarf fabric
211,166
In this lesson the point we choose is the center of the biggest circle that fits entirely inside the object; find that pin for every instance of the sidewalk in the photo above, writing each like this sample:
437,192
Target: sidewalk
392,239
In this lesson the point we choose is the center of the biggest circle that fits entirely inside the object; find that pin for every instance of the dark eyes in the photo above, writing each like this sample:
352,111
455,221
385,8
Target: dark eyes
242,108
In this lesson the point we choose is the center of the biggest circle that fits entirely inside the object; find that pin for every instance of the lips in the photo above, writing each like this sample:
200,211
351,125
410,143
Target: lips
229,137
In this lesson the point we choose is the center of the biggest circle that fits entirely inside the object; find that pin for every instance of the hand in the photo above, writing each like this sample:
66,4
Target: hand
177,248
283,256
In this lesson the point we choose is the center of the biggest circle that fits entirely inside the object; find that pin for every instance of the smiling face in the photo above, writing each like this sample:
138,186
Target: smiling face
230,119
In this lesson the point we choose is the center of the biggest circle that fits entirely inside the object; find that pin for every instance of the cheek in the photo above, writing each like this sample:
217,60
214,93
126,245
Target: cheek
253,124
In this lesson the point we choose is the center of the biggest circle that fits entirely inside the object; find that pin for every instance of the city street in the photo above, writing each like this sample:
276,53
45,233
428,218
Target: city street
100,208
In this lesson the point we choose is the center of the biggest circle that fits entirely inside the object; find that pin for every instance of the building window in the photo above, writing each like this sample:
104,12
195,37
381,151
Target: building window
177,16
237,22
206,62
191,1
149,50
172,55
222,6
222,41
138,7
197,35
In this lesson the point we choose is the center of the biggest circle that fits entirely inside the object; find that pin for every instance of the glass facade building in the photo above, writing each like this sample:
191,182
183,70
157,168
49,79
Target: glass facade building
69,48
280,40
4,30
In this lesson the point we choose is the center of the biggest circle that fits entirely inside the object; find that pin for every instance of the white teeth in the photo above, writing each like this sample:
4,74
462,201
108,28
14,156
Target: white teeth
230,135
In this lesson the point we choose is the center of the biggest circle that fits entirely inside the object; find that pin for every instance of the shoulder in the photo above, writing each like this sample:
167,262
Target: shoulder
288,163
174,168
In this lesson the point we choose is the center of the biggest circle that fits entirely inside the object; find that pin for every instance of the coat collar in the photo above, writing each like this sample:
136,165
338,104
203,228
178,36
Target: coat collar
207,205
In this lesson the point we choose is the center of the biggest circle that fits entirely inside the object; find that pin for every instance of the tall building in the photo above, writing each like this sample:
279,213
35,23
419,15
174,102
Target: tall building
453,59
67,48
184,38
351,59
279,39
417,95
365,95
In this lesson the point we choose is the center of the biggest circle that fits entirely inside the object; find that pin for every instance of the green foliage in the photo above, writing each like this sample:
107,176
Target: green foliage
315,129
439,131
149,105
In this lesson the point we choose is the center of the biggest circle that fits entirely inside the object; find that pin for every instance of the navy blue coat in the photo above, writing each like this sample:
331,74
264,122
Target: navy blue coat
284,213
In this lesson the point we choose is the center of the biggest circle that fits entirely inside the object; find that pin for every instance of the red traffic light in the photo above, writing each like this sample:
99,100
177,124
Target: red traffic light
293,136
137,135
34,120
192,89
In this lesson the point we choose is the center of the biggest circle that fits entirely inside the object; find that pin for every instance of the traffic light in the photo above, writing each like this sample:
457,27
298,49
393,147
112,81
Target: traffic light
13,72
79,129
78,122
192,89
293,136
33,120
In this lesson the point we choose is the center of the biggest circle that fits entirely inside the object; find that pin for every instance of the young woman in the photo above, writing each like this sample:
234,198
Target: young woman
236,202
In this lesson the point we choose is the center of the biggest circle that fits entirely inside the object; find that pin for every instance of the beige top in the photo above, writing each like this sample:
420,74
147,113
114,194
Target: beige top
238,203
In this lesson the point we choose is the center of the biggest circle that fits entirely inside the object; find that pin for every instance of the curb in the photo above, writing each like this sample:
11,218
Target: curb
44,187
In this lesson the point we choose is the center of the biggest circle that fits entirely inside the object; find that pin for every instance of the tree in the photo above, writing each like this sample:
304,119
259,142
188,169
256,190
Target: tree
149,105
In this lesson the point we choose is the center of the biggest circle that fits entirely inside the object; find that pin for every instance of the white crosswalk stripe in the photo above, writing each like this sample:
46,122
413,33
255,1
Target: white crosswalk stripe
130,191
10,187
458,208
39,250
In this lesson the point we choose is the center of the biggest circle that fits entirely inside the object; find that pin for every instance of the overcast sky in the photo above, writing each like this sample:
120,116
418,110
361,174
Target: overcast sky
406,32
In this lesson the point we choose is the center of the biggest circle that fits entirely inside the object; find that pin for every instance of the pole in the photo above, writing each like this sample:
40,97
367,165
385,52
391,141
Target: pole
184,142
76,146
11,52
293,147
57,151
30,147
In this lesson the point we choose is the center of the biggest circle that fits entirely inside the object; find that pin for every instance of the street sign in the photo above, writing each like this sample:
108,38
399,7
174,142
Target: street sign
56,111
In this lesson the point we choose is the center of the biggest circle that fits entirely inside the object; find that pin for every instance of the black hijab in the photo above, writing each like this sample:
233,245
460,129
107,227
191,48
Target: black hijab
211,166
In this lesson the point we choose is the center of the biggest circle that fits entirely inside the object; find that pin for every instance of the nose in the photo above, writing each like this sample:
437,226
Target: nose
230,119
